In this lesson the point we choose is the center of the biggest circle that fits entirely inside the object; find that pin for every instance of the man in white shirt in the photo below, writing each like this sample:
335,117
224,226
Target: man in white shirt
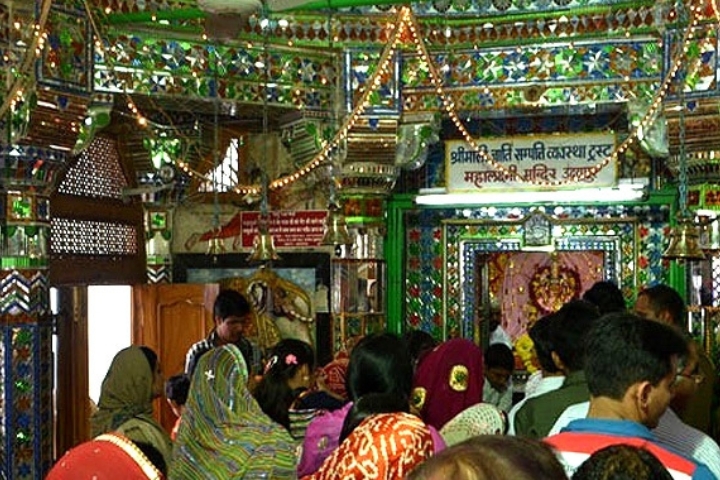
233,316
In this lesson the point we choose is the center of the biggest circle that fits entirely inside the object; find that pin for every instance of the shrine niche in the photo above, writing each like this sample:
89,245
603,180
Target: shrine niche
526,285
502,266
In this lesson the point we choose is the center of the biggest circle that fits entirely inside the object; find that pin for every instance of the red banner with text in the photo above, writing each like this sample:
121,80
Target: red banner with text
301,228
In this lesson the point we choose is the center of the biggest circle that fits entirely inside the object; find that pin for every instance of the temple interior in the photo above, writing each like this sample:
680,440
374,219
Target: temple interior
351,166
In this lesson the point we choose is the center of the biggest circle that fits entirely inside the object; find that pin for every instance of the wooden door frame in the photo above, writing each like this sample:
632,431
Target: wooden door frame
72,412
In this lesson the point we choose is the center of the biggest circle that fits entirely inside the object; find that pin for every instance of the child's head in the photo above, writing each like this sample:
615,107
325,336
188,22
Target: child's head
499,365
288,370
634,461
176,391
419,342
292,362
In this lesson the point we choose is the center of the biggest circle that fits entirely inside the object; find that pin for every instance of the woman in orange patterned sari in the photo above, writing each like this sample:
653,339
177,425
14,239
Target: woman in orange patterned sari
383,447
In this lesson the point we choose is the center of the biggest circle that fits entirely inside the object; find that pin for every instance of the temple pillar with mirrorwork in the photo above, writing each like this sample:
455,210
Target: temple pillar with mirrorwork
26,413
358,273
47,79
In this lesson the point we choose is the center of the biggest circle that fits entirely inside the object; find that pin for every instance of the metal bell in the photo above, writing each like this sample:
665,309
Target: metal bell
263,248
684,242
336,231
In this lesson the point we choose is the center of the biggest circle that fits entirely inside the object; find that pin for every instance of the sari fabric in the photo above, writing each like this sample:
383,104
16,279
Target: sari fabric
125,404
383,447
322,437
334,374
224,433
107,457
448,380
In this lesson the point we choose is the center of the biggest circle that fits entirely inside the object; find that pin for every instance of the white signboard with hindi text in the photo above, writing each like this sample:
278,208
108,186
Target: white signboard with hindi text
566,159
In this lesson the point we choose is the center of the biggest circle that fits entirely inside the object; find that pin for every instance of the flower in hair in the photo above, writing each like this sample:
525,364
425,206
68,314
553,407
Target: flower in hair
291,359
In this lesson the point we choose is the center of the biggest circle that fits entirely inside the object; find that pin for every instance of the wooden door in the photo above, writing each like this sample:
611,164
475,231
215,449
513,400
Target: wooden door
72,419
169,318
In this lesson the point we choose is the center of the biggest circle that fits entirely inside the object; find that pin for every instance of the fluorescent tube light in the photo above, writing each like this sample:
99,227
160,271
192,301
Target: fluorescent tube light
624,192
46,104
60,147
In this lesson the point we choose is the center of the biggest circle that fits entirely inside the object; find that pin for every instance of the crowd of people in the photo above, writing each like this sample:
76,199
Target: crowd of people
620,394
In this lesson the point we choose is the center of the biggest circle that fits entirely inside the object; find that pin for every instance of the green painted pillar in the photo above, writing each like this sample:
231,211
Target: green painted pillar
394,256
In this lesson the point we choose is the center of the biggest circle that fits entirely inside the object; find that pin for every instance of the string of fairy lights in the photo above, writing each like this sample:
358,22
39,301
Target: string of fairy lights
406,20
327,148
644,123
396,30
145,122
141,119
17,91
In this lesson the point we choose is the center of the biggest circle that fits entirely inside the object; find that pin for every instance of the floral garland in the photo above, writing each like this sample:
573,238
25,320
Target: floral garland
525,350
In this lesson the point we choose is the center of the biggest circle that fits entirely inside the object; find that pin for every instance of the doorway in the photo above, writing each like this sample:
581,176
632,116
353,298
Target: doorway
109,330
92,324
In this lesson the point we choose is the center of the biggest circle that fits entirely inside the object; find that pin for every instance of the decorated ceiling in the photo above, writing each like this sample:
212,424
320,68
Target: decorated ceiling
183,78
